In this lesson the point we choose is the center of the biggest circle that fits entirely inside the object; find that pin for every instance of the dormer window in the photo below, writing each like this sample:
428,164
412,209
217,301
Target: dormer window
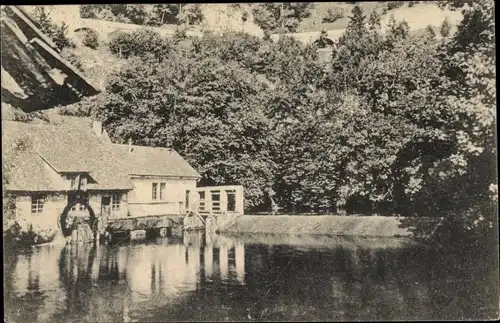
78,181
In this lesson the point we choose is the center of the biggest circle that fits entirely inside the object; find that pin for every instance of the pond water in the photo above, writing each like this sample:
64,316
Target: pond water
246,278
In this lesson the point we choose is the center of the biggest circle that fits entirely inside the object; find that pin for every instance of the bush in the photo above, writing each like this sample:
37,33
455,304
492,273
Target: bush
119,43
70,56
139,43
394,4
191,14
333,15
91,39
445,28
60,37
22,233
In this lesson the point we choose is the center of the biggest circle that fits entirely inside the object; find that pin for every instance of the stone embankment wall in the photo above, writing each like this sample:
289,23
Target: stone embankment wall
367,226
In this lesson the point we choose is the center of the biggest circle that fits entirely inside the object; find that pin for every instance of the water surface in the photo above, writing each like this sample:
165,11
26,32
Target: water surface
221,278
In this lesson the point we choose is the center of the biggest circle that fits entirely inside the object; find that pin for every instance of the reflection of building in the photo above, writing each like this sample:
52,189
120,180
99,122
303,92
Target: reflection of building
231,260
113,283
39,271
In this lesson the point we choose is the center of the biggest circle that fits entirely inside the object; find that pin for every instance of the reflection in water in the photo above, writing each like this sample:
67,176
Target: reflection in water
214,278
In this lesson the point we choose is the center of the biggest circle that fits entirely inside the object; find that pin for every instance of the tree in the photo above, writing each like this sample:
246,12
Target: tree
394,4
356,26
191,14
166,13
374,21
283,16
91,39
42,16
90,11
445,28
58,34
397,30
127,13
333,14
322,42
60,37
429,30
202,108
145,43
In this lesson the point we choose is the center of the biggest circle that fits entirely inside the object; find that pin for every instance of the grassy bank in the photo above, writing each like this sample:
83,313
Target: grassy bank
366,226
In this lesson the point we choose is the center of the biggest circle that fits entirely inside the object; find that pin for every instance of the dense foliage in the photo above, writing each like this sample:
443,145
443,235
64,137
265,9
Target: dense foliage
281,17
272,17
91,39
58,33
142,43
144,14
398,123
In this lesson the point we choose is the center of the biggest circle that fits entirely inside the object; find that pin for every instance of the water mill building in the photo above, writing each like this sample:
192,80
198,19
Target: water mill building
74,165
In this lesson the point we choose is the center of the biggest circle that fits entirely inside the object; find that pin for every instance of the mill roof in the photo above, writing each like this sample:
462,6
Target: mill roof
34,152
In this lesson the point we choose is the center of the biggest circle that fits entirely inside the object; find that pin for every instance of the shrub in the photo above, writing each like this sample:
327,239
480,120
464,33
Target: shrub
91,39
139,43
430,31
60,37
333,15
22,233
119,43
191,14
70,56
445,28
394,4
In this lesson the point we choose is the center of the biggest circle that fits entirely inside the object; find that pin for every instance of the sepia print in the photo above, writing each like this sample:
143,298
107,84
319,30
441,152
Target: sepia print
293,161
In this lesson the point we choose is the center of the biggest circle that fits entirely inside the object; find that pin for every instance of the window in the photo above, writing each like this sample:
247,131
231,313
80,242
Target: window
162,191
216,201
187,199
202,201
116,201
231,201
37,202
154,194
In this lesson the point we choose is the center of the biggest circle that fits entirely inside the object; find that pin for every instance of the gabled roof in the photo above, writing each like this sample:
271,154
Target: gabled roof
72,147
26,171
155,161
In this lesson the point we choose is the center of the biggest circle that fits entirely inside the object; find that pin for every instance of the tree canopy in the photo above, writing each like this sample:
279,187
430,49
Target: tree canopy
399,124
